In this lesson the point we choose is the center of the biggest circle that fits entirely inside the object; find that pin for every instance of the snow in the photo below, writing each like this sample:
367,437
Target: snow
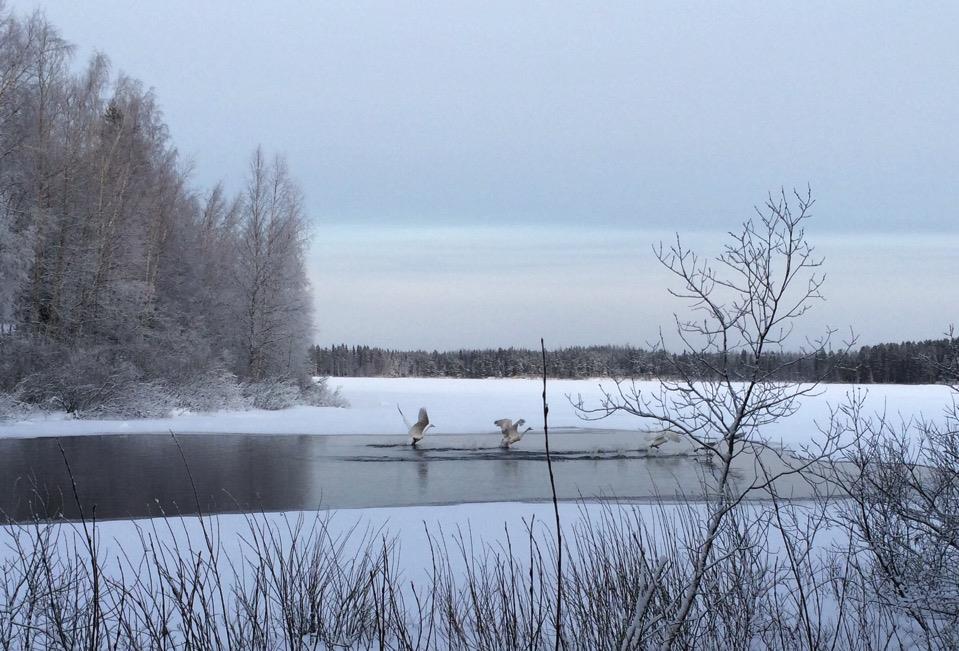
459,406
485,521
478,525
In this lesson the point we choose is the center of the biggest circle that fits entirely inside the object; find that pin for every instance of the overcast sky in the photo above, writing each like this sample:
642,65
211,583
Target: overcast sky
483,174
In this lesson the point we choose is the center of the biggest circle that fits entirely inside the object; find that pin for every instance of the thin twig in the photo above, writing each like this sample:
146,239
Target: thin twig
559,533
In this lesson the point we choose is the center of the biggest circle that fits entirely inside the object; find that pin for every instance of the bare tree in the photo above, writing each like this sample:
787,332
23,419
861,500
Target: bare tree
745,304
274,291
903,510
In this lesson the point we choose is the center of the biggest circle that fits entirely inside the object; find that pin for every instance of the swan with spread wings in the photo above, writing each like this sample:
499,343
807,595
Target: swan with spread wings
511,430
418,429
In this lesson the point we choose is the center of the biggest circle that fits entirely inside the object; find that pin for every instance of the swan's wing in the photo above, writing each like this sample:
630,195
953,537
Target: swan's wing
504,424
424,418
405,419
674,436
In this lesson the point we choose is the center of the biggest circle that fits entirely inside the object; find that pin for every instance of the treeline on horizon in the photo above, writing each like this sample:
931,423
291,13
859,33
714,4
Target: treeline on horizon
125,288
896,363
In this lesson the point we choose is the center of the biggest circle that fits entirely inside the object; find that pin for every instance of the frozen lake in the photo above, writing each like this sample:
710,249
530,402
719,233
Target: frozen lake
137,475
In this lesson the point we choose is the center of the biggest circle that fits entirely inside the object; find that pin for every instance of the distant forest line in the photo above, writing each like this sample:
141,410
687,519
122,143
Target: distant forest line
894,363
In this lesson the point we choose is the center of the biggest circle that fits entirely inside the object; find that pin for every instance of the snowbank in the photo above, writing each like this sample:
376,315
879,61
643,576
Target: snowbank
460,406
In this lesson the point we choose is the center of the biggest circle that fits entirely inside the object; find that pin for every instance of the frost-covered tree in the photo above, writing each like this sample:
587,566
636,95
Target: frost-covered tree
273,290
109,259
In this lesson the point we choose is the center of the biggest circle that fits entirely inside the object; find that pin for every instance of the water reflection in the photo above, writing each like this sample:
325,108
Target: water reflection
140,475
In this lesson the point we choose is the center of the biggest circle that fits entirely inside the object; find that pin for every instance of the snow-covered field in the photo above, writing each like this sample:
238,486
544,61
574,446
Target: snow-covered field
468,406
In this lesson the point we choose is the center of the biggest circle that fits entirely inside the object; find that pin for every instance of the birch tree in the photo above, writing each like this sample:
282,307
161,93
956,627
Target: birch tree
109,257
272,284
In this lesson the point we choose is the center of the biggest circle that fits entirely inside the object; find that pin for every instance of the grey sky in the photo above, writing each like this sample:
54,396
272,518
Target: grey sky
570,136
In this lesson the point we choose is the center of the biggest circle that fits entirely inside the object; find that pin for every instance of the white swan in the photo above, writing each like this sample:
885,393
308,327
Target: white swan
511,431
664,437
417,429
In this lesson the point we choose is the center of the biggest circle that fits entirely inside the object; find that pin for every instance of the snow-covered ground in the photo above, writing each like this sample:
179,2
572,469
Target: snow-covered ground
486,522
477,526
468,406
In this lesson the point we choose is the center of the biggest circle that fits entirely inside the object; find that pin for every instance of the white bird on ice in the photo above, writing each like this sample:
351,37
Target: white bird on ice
511,431
417,429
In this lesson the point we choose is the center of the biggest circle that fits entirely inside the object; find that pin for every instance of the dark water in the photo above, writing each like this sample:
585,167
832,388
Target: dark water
139,475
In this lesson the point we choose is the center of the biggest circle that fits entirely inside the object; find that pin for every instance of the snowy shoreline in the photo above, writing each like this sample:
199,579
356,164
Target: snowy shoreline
463,406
